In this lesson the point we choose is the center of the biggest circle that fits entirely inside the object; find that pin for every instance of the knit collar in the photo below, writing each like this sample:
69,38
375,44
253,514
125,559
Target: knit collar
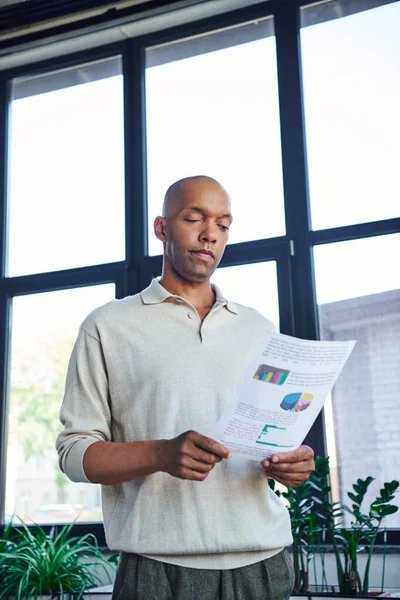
156,293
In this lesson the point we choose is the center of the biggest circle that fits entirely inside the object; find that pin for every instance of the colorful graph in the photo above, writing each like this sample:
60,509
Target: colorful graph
297,402
264,434
271,374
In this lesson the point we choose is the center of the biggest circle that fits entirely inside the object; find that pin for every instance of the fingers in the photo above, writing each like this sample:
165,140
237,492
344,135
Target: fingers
191,455
292,477
210,445
285,479
186,473
302,453
205,457
189,462
290,468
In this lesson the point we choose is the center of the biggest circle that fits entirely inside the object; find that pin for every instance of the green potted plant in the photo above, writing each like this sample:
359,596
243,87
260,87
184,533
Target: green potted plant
348,542
316,519
34,564
363,531
305,531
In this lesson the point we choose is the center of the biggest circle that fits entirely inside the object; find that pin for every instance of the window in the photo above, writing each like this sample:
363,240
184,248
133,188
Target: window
252,285
212,108
365,307
66,181
352,130
44,329
351,99
65,217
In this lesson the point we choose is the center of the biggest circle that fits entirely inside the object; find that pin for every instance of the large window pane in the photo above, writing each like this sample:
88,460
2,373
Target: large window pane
253,285
66,180
358,293
212,109
352,96
44,328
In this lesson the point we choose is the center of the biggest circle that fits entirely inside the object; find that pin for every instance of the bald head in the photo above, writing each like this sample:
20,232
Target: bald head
176,192
194,228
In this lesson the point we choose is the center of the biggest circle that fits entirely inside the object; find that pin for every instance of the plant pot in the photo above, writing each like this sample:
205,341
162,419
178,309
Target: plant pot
50,597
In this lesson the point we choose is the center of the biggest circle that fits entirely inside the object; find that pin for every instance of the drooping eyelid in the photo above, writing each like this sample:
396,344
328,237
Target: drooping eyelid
194,215
225,222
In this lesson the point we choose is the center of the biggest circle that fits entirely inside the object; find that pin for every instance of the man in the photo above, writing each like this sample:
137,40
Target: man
148,379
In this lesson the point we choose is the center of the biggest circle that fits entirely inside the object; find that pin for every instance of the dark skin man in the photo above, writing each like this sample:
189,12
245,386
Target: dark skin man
194,230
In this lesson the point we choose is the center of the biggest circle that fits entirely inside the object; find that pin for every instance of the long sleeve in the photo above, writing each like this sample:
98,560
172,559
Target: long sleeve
85,411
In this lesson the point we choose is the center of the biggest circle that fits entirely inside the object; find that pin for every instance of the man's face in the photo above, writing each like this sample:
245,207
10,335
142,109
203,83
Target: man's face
196,230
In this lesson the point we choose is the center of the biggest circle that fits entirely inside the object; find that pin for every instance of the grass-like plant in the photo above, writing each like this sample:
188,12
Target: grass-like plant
34,563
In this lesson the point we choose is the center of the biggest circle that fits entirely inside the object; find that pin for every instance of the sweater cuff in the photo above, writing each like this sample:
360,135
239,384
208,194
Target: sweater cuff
73,466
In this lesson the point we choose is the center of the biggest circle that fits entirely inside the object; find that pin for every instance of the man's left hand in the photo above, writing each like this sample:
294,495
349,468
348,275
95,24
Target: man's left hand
290,468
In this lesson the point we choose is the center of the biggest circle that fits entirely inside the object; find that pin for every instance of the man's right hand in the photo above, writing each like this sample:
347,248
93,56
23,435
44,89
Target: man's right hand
191,455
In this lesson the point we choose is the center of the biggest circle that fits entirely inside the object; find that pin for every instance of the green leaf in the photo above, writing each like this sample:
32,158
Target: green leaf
389,510
316,500
314,486
355,499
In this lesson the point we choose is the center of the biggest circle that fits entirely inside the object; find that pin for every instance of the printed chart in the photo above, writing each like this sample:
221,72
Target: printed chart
263,438
271,374
297,402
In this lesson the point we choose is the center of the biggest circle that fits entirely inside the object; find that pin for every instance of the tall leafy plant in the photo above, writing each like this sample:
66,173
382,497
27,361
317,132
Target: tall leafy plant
33,563
305,531
328,512
315,518
366,526
361,535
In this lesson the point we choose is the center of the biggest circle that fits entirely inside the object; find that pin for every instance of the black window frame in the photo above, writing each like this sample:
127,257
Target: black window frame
292,251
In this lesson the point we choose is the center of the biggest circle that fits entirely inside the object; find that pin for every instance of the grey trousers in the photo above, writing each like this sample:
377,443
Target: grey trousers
140,578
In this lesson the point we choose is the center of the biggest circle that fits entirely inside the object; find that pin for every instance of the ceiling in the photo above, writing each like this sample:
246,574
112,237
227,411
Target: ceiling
17,14
25,22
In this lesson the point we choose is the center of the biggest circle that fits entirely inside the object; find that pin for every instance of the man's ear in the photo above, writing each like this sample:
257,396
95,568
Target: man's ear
159,229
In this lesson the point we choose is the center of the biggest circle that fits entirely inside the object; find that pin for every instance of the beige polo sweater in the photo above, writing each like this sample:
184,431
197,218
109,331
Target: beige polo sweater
146,368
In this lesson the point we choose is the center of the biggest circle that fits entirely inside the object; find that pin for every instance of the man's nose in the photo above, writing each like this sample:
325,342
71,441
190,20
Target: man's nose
209,234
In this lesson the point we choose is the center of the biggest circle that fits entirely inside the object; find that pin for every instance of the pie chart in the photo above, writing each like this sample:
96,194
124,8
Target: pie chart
297,401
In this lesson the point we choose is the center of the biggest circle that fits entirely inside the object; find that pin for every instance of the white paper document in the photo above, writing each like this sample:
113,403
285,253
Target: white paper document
282,392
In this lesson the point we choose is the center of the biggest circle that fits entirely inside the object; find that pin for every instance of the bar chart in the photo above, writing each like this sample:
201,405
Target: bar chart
270,374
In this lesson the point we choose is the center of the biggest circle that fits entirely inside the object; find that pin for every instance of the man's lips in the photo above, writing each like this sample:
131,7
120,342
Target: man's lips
206,255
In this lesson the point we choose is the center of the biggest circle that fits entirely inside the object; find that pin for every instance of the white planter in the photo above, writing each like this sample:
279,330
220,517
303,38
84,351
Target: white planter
48,597
99,593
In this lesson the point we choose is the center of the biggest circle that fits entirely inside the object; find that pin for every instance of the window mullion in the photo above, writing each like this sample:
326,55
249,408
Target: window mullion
135,162
3,171
4,304
4,362
294,169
